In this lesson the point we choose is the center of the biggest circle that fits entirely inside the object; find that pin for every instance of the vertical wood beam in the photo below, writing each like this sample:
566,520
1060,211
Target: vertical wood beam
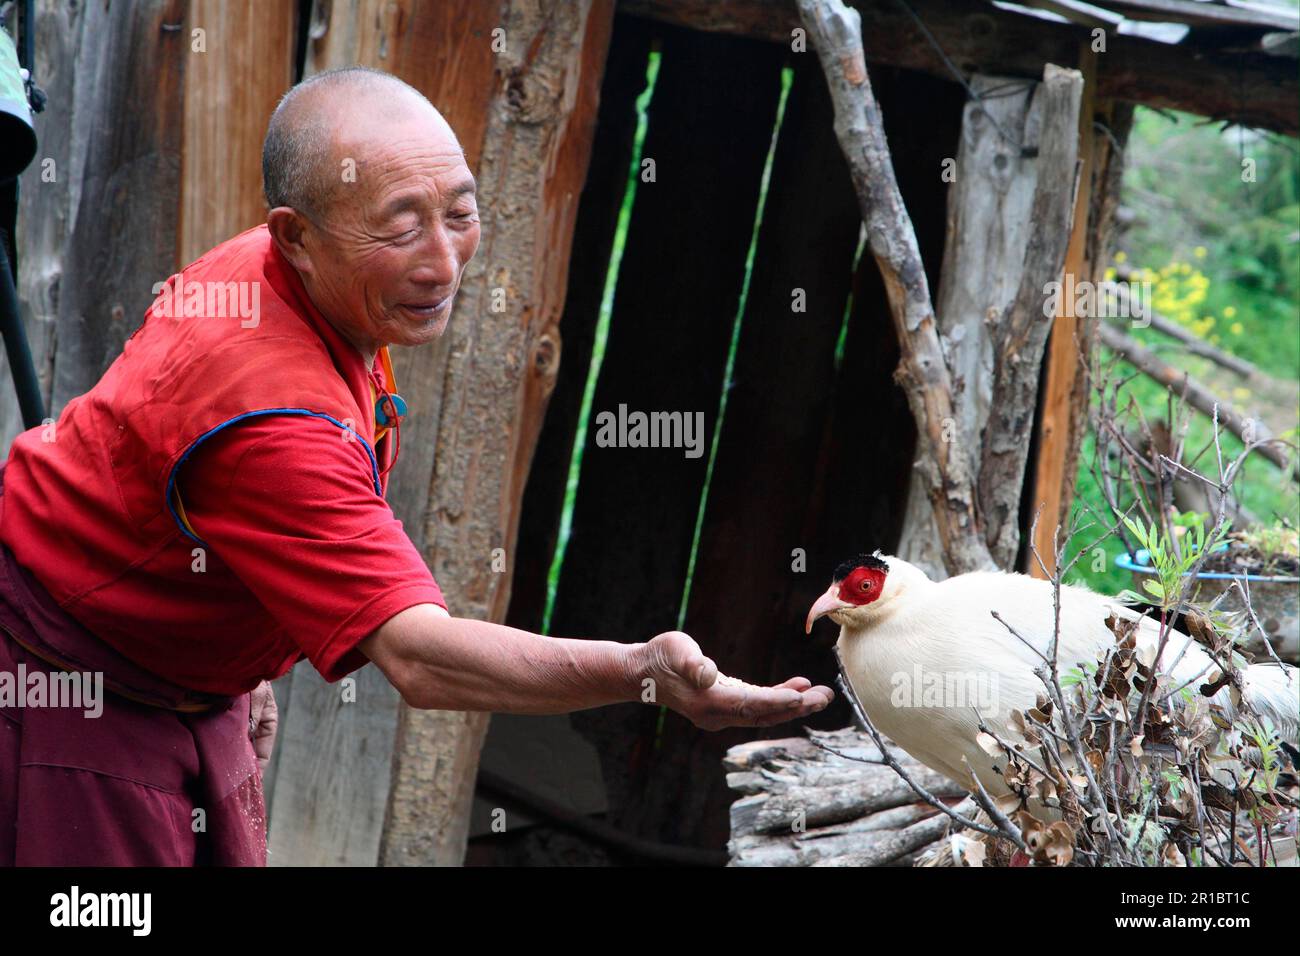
525,117
47,213
499,369
988,225
231,89
1062,368
124,177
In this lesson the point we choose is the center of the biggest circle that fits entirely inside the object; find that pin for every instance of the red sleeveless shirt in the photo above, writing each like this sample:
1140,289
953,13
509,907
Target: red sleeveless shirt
92,507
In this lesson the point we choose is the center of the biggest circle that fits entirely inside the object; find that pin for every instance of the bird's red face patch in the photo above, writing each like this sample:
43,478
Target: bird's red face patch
862,585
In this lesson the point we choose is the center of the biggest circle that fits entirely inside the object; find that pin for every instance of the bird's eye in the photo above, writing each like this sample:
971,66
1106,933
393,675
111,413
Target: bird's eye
866,585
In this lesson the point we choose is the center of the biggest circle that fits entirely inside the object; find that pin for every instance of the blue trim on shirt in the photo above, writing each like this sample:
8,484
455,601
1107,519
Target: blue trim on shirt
171,478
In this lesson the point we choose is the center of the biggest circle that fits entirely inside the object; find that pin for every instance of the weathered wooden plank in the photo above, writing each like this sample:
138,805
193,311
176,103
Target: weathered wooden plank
1020,334
681,276
988,227
1062,367
1252,88
231,87
130,65
1108,144
499,372
323,817
47,202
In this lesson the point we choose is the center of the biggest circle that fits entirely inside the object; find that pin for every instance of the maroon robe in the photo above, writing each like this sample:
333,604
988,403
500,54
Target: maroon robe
120,789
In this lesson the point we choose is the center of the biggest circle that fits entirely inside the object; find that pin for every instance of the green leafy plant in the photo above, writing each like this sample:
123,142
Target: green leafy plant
1170,559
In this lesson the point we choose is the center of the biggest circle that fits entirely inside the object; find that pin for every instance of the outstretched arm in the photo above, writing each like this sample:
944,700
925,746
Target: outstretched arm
438,662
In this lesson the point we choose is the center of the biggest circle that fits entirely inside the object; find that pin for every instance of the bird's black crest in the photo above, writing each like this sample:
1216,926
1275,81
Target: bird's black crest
845,568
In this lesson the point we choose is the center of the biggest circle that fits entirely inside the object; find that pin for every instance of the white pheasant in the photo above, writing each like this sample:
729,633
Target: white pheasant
923,656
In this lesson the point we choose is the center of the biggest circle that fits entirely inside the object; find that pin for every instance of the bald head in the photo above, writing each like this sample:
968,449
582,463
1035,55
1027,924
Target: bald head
327,119
372,203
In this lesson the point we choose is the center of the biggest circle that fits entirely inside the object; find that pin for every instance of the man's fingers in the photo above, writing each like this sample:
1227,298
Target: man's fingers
797,683
757,703
825,693
809,704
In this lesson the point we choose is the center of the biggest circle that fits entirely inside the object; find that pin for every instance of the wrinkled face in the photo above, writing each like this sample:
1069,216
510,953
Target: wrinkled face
386,261
858,584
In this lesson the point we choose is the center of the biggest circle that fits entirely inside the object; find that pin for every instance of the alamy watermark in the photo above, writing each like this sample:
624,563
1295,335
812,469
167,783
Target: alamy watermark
75,908
177,299
83,690
651,430
1108,299
963,690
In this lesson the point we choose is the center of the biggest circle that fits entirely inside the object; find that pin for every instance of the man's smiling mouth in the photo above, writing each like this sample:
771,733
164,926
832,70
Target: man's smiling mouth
426,310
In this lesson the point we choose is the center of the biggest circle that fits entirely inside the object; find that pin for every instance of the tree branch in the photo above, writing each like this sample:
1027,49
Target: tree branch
836,34
1197,395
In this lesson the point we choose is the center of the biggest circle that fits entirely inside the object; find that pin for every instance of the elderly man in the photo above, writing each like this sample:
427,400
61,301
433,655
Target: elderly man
212,512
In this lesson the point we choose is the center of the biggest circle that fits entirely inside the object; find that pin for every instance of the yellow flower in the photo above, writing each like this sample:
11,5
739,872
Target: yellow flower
1229,312
1110,274
1199,252
1121,256
1236,328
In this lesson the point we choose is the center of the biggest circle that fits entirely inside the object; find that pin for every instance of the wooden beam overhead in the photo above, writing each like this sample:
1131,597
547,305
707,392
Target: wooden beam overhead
1196,13
1253,89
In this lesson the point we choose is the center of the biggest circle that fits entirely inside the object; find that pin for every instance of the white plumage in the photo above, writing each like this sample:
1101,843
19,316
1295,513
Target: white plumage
904,636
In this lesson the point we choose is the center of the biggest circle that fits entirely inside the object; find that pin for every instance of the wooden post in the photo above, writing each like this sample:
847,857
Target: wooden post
98,227
1063,411
499,374
989,204
1062,358
46,213
234,76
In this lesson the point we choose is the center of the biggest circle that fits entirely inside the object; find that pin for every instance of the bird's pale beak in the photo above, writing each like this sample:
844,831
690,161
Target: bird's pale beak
828,602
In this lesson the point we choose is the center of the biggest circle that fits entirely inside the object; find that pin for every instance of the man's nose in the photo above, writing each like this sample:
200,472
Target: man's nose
439,260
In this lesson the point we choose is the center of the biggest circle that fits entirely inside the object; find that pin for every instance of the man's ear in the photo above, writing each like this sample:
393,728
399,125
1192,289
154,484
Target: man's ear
288,231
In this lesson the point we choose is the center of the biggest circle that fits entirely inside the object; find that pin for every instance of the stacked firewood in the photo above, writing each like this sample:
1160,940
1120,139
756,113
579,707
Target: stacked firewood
827,800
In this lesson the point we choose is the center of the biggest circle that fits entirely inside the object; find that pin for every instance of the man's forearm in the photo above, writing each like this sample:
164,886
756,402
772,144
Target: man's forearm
447,663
